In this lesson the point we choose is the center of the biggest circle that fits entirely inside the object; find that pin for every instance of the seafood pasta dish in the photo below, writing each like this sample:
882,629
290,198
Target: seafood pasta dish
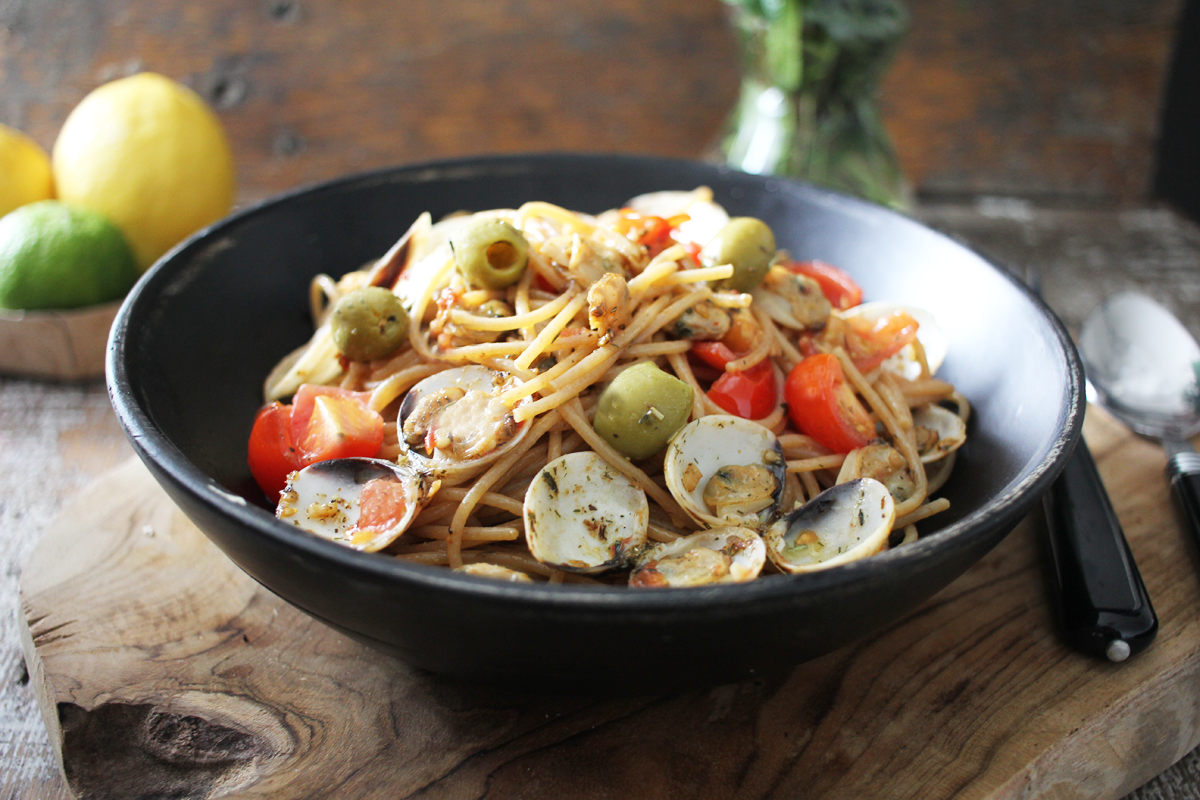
654,396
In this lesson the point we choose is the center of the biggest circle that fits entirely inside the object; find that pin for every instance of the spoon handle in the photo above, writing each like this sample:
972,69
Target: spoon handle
1183,469
1105,610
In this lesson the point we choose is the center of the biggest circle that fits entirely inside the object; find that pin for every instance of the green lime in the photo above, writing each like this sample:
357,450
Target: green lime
57,256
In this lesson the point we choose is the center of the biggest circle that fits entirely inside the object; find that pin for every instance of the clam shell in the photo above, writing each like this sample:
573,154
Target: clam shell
703,446
450,470
951,430
581,515
844,523
324,499
719,555
931,336
705,216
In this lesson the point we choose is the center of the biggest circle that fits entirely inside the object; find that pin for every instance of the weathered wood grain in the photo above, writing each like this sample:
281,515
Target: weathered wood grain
313,89
1024,98
163,670
1003,97
55,438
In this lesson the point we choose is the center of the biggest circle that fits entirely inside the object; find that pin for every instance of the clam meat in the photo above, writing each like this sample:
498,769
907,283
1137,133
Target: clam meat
719,555
454,423
725,470
794,301
882,462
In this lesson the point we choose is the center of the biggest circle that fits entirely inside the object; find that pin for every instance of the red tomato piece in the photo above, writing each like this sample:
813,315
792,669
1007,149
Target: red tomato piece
652,232
272,455
340,427
702,371
304,403
823,406
381,505
749,394
838,287
715,354
870,342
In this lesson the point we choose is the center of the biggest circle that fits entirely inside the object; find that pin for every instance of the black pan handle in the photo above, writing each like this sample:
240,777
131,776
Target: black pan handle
1184,471
1105,610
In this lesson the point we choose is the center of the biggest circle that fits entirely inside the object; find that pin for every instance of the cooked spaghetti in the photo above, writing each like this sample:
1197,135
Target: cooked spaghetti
653,395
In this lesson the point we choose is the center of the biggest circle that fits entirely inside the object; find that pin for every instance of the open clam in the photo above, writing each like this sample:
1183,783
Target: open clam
792,300
939,432
720,555
725,470
932,338
453,424
705,217
884,463
844,523
581,515
363,503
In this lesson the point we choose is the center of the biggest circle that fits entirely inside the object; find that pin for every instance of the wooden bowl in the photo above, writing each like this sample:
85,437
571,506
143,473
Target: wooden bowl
63,345
200,332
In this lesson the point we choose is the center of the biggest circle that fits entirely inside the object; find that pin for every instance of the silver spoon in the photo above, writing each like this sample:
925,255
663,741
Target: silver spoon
1143,365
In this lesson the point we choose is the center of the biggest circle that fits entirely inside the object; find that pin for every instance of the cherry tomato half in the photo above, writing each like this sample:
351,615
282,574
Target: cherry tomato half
823,406
328,422
715,354
870,342
272,455
381,505
838,287
749,394
324,422
654,233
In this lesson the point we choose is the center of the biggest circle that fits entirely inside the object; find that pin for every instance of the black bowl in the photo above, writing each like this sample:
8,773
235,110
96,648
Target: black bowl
196,337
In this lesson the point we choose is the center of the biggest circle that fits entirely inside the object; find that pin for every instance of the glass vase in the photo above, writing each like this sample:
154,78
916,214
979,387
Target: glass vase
809,101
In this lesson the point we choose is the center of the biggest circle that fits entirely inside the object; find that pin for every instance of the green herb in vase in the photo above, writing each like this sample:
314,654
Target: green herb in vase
809,106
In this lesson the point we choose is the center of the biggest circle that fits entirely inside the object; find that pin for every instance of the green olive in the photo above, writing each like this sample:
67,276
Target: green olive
368,323
746,243
490,253
642,409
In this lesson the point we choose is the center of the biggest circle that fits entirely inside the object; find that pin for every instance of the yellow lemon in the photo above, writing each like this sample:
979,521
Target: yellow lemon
25,175
147,153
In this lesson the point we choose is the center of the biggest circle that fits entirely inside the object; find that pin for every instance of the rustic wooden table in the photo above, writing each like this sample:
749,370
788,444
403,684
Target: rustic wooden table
54,438
1007,97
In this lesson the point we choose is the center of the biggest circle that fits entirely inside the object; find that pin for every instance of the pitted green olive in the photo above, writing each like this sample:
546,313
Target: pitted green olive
368,323
490,253
746,243
642,409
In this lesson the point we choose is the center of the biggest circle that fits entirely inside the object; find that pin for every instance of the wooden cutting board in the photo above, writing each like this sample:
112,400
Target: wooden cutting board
162,670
